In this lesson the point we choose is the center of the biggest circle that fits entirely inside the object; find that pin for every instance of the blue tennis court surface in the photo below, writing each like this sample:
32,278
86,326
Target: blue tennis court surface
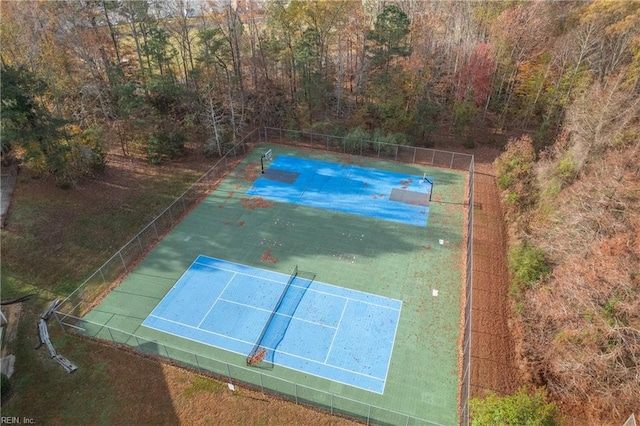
336,333
345,188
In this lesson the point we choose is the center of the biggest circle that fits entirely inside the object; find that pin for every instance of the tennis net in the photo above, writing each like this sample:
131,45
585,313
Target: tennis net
259,351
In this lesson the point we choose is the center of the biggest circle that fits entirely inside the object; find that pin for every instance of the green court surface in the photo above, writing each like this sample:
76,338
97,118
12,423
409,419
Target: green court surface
386,258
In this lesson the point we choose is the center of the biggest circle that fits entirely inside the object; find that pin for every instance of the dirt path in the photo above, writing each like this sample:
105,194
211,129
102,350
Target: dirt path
493,364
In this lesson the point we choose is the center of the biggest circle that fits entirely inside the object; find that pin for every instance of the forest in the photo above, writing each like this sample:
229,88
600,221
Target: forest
559,80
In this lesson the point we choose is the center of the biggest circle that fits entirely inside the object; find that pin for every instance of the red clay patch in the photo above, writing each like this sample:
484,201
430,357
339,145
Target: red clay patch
251,172
253,203
266,257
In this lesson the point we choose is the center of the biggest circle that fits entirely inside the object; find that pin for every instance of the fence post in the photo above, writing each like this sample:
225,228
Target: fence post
166,351
229,372
453,155
55,314
122,259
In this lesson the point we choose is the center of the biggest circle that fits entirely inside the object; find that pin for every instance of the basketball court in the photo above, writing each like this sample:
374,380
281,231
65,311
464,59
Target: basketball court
346,188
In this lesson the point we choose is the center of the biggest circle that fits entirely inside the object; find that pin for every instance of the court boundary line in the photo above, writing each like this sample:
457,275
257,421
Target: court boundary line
206,331
323,362
395,334
284,366
274,272
258,308
195,328
294,285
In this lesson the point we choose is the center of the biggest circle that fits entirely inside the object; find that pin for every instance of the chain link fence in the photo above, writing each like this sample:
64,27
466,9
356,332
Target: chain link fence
409,155
465,378
69,314
249,377
89,293
370,148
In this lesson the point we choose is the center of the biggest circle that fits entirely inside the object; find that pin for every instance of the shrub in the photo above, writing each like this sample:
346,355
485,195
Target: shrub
566,172
383,145
527,265
164,145
516,177
353,140
521,408
329,128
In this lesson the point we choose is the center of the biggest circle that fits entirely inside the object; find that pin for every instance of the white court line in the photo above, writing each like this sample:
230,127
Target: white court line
280,351
271,310
336,327
243,273
204,330
284,366
355,300
330,365
395,333
344,308
216,301
293,285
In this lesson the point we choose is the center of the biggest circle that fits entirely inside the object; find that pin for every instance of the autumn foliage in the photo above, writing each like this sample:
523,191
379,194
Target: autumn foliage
578,298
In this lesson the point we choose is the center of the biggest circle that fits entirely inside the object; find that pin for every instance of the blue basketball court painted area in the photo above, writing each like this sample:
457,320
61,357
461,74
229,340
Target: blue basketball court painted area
345,188
332,332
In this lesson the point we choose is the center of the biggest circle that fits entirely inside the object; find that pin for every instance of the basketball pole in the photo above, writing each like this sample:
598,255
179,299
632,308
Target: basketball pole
262,163
430,189
430,182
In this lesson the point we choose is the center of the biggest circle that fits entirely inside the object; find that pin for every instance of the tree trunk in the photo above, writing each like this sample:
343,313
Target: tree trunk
112,32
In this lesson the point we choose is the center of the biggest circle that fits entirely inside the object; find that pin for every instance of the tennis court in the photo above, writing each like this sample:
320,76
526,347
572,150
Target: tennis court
327,331
346,188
